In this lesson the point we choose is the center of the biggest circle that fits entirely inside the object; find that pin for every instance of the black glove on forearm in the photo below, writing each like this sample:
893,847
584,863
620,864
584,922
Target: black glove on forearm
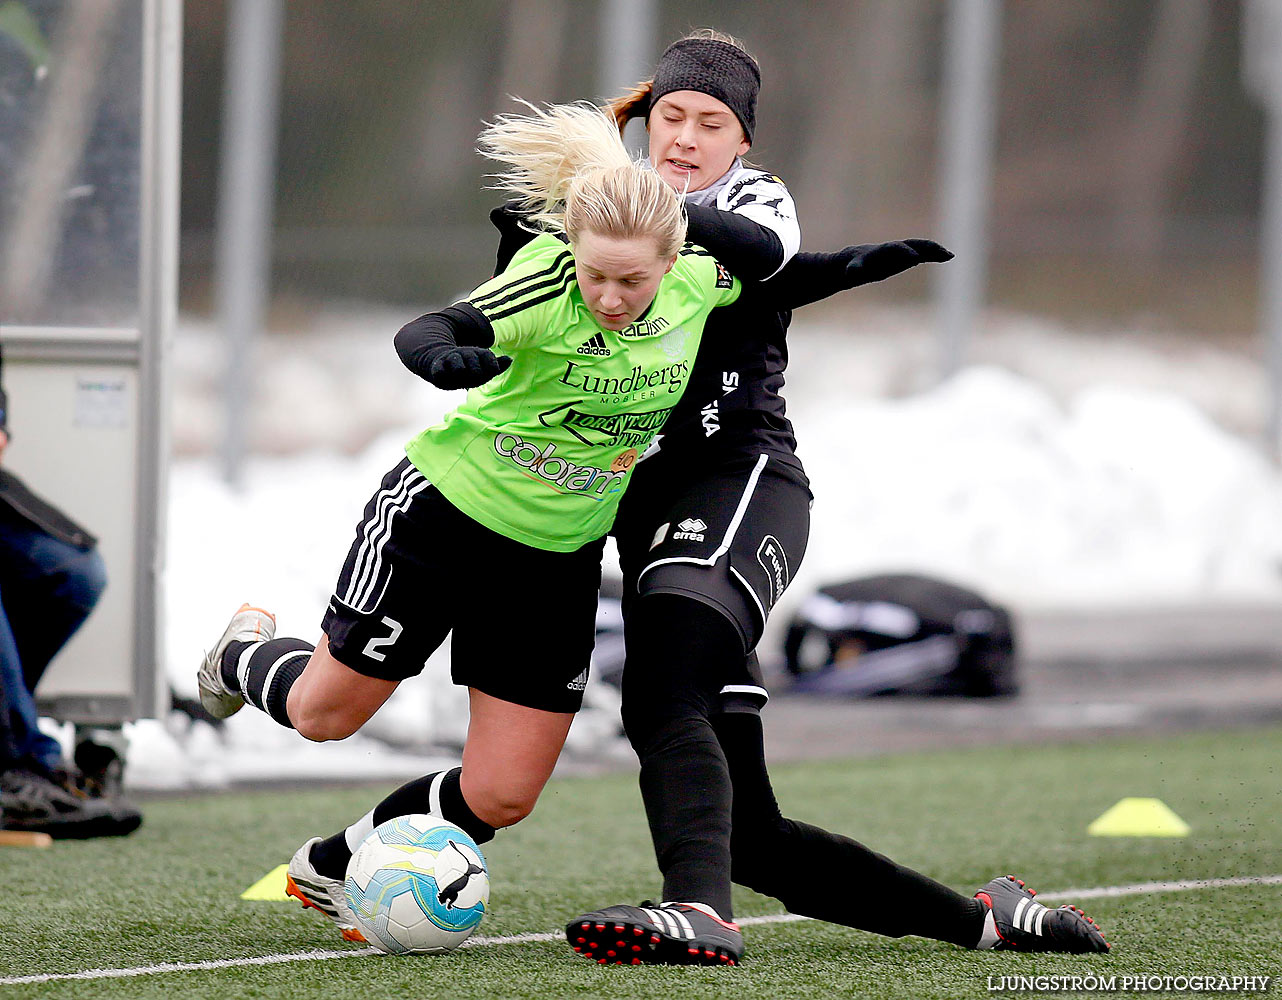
871,262
809,277
450,348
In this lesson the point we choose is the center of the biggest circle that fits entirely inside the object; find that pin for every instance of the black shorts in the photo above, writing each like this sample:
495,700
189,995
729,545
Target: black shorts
523,618
730,536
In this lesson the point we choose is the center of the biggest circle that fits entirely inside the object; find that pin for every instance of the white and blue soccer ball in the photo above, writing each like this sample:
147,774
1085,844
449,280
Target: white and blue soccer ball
417,885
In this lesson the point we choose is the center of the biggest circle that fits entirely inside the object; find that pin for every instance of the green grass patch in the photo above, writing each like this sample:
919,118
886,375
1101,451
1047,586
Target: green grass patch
171,892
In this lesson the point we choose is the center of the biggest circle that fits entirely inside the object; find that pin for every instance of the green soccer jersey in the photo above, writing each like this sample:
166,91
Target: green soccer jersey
543,452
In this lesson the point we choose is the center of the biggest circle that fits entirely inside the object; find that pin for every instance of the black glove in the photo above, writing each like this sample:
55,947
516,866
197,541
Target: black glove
878,261
463,366
451,348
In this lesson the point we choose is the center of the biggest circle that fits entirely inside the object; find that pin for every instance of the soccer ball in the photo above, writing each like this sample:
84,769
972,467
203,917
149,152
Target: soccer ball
417,885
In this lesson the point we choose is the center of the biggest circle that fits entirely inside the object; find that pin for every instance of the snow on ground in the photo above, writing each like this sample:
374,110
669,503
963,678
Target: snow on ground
1084,470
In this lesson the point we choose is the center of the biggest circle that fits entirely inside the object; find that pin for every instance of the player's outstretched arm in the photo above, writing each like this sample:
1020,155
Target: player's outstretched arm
751,251
809,277
451,348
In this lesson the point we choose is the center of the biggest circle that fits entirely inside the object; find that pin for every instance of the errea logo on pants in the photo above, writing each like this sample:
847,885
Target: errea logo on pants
690,530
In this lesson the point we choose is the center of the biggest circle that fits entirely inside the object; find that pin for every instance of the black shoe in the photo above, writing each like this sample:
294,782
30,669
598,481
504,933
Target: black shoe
667,934
1017,922
34,803
99,771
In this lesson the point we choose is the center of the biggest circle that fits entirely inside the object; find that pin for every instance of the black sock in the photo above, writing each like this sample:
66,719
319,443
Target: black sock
687,800
670,684
331,855
263,672
858,887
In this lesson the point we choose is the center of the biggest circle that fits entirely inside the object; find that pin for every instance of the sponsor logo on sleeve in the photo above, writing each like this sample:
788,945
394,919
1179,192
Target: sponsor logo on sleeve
724,278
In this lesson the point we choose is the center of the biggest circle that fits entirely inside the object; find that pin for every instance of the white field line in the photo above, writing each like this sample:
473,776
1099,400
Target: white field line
1099,892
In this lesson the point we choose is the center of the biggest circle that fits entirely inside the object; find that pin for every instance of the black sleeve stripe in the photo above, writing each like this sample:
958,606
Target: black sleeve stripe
533,296
692,250
529,303
528,284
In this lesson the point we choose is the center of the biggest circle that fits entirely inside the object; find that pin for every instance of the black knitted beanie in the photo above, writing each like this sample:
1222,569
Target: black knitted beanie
711,67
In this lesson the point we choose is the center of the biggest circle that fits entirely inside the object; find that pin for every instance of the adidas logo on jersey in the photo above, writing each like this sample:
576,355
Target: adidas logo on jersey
690,530
595,345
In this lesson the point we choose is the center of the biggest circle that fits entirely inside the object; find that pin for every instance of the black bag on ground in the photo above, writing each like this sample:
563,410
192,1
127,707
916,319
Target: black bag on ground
901,634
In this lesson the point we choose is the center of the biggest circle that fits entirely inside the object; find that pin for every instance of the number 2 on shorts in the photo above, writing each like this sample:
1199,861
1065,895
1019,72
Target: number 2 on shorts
372,647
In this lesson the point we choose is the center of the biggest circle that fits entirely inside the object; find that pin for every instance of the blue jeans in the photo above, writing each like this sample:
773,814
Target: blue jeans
47,589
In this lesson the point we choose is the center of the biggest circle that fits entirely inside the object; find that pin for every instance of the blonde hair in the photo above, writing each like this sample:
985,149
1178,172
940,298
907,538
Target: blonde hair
635,101
568,167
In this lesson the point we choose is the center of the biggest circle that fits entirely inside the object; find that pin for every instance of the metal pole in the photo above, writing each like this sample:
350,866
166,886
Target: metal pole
1262,74
158,304
629,29
245,204
1271,270
966,153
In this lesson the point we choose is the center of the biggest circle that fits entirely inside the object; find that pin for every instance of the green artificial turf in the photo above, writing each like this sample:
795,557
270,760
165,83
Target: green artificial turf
171,892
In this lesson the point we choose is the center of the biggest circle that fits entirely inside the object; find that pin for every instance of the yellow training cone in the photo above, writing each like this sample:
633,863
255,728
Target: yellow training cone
270,888
1133,817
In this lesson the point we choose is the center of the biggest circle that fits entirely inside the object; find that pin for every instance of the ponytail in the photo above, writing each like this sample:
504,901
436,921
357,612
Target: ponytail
635,103
571,172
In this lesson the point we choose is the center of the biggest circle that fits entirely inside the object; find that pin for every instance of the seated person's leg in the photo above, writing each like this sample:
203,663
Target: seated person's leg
52,586
23,737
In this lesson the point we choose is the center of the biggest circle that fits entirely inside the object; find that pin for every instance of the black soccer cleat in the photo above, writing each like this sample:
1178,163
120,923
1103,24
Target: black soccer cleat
1017,922
667,934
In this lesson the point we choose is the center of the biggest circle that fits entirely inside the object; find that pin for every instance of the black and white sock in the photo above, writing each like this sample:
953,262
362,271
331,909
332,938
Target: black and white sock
439,794
263,672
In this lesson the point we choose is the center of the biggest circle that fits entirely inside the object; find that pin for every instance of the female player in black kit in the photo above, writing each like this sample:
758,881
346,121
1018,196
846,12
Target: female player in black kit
711,531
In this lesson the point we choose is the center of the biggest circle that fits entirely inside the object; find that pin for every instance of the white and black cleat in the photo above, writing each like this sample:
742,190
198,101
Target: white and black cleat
1017,922
666,934
317,892
248,624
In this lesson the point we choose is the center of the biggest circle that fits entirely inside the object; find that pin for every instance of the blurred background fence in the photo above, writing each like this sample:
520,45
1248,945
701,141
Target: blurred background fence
1127,168
1121,207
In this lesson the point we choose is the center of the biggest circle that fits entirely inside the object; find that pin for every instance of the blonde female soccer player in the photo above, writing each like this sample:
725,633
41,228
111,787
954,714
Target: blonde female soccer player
492,527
